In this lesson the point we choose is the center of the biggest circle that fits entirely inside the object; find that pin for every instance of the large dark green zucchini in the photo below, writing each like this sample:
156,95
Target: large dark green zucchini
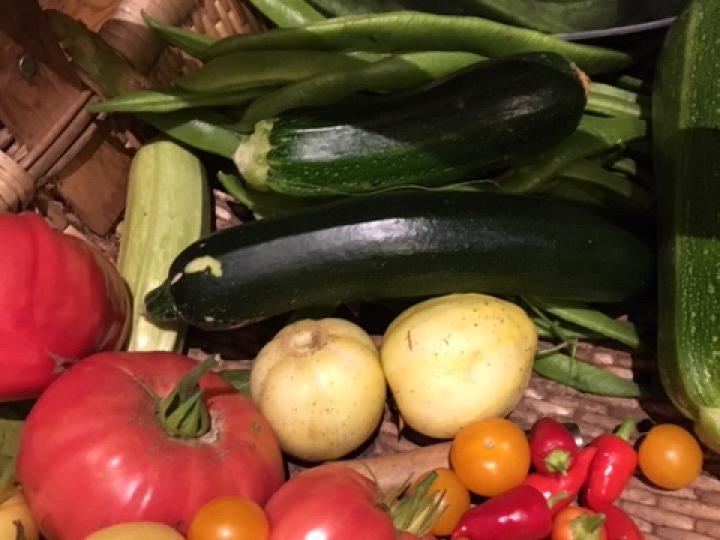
475,122
403,245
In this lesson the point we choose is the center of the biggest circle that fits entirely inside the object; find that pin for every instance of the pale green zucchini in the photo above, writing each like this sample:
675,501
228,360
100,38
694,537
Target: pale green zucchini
167,209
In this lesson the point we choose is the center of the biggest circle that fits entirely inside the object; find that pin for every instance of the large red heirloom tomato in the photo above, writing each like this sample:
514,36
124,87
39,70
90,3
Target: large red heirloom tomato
95,451
60,300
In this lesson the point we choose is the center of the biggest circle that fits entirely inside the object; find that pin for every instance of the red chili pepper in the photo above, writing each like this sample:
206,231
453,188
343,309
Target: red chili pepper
620,526
552,446
560,490
521,513
613,466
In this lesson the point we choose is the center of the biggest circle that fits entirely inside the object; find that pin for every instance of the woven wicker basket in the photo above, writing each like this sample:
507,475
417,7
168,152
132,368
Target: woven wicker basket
62,162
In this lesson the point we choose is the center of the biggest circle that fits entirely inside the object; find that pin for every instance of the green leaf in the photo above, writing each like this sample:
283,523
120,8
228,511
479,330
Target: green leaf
239,379
585,377
9,446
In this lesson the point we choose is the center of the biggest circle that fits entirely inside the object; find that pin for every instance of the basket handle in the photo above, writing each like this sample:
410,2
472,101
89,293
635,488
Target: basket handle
126,32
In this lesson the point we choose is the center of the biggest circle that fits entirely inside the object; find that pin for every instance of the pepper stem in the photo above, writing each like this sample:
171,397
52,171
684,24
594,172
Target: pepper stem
183,412
557,498
626,429
557,461
587,527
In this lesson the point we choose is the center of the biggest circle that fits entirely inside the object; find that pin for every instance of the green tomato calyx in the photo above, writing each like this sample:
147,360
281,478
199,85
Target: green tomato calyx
183,412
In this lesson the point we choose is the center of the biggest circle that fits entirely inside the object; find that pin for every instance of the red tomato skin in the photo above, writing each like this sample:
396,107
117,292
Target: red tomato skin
94,454
331,501
60,301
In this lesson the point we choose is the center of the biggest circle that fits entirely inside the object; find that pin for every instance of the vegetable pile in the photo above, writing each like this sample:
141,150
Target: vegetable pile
491,190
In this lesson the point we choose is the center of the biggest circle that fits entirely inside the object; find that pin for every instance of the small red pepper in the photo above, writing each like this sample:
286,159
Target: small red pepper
613,466
552,446
521,513
560,490
620,526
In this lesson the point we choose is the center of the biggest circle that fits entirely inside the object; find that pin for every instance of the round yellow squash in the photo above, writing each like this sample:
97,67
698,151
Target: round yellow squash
320,385
456,359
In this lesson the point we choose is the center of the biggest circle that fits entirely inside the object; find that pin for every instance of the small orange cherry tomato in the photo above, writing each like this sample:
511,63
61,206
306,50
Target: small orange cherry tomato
455,501
670,456
490,456
576,523
229,518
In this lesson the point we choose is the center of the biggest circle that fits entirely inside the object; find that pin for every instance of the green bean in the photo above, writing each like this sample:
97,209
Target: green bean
567,189
244,70
398,72
193,43
624,165
107,70
201,130
585,377
594,135
632,168
264,204
546,330
406,31
288,13
551,17
612,106
174,100
614,91
334,8
633,84
581,315
593,173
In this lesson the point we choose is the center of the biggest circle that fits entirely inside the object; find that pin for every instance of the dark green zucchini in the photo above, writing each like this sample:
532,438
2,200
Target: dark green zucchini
406,244
477,121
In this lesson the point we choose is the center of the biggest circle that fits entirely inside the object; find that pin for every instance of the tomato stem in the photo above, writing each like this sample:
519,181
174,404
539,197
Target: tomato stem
418,510
183,412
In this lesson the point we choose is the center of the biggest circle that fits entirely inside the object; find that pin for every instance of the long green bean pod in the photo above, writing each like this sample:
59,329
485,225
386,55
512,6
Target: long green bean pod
193,43
585,377
288,13
594,135
398,72
581,315
173,100
201,130
595,174
415,31
242,70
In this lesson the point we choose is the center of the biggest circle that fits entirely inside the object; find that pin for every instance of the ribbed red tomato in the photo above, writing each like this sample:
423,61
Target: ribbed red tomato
60,300
331,502
328,503
94,451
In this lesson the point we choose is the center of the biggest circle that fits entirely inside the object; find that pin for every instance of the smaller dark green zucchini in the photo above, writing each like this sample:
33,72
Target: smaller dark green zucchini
397,245
479,120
